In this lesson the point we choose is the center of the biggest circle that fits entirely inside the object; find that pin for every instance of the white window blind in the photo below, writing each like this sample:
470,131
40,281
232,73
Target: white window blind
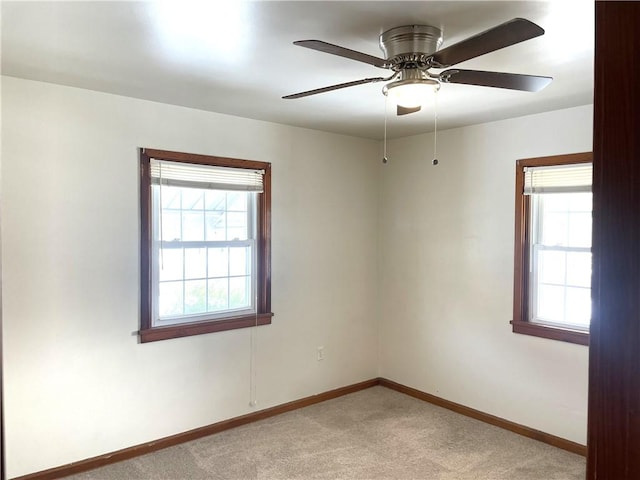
558,178
179,174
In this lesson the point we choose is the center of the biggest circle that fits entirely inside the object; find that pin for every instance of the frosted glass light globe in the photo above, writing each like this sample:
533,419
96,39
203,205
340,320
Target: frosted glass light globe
411,94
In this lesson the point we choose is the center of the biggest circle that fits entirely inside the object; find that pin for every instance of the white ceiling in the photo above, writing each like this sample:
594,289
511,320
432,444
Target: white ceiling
237,57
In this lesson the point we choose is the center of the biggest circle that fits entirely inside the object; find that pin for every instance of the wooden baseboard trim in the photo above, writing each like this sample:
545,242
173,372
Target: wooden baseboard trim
487,418
142,449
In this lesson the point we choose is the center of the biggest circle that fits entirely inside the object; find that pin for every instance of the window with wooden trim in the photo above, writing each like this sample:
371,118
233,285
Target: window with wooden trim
552,279
205,249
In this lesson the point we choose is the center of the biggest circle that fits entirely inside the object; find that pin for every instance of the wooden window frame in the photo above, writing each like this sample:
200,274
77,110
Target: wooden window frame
520,322
263,314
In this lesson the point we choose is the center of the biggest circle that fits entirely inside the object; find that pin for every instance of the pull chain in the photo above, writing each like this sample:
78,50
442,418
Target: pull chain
384,154
435,128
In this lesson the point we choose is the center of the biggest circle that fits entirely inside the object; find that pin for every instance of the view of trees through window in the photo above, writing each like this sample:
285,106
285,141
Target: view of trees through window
204,244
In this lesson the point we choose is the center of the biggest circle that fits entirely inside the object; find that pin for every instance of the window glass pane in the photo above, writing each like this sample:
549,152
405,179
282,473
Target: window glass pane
215,200
236,226
551,267
170,196
579,269
170,264
554,228
237,201
218,262
550,303
555,202
238,292
578,306
192,199
580,229
195,296
218,294
239,261
195,263
581,202
204,279
216,230
192,226
171,225
170,299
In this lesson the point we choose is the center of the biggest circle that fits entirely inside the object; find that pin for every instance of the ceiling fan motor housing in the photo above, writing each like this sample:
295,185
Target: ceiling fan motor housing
410,43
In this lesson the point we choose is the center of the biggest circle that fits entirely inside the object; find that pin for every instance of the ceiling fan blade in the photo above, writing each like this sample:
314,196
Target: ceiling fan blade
407,110
504,35
513,81
334,87
343,52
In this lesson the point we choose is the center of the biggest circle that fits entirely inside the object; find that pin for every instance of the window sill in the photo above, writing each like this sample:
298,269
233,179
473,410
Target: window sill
187,329
553,333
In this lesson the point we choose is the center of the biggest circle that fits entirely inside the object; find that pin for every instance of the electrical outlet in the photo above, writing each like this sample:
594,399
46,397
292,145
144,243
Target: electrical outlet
320,353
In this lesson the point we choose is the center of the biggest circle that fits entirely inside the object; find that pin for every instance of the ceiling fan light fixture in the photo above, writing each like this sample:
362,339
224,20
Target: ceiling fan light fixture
411,93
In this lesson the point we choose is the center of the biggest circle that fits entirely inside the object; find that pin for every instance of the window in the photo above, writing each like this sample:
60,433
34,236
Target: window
205,244
552,281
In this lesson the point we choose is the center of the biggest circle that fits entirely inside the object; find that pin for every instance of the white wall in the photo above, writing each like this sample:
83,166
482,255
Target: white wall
436,242
78,383
446,274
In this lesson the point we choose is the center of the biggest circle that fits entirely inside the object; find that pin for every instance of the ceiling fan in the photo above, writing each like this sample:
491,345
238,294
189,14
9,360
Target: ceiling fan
411,51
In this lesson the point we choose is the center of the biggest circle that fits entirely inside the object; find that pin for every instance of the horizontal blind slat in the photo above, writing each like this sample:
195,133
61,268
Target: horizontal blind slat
558,178
205,176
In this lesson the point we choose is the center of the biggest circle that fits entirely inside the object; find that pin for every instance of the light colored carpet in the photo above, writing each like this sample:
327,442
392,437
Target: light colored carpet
373,434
